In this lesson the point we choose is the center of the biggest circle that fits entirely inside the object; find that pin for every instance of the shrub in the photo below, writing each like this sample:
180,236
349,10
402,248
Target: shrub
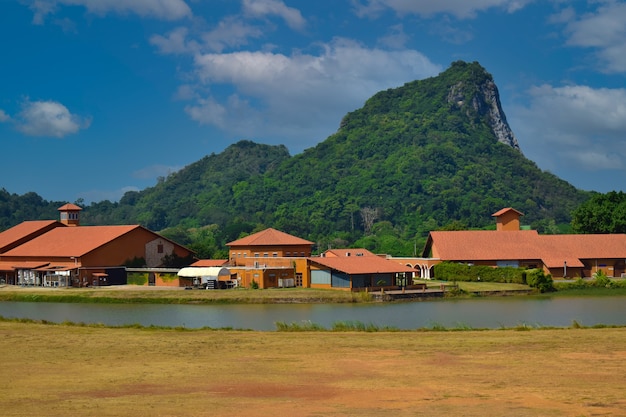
137,278
254,285
535,278
601,280
168,277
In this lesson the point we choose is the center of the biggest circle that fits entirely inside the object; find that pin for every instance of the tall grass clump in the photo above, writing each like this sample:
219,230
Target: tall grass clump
304,326
358,326
362,296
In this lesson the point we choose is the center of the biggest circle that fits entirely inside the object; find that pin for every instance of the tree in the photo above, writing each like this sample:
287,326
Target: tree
369,216
602,213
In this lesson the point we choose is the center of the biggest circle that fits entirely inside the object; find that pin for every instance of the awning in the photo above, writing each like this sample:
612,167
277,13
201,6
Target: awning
192,272
13,265
58,267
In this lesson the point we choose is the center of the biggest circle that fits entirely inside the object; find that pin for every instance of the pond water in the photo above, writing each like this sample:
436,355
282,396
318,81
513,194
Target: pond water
467,313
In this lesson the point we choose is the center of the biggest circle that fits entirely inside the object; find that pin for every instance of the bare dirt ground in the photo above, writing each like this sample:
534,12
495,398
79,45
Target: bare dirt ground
88,371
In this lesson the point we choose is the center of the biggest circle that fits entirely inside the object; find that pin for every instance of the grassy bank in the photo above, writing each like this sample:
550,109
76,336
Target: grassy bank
70,371
158,295
154,295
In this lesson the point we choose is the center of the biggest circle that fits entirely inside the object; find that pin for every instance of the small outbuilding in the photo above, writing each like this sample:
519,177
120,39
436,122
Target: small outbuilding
212,277
358,270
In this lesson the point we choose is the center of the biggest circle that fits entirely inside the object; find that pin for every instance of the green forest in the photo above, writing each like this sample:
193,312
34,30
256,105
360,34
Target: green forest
413,159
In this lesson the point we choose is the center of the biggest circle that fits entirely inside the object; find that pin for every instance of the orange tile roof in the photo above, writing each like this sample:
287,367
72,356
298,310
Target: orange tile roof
69,207
552,250
25,231
269,237
209,262
596,246
362,265
12,265
348,252
473,245
504,210
70,241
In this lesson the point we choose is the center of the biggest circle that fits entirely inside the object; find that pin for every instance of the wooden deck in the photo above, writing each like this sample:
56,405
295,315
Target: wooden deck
392,295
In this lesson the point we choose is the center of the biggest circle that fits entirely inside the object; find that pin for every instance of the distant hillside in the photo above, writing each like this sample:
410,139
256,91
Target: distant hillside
199,194
16,208
434,153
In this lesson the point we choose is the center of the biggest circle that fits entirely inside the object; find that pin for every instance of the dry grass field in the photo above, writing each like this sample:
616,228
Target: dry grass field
55,370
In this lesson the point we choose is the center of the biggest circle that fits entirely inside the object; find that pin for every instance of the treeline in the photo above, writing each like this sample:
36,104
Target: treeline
16,208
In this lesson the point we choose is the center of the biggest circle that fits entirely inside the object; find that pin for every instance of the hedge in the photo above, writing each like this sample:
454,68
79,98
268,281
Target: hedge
452,271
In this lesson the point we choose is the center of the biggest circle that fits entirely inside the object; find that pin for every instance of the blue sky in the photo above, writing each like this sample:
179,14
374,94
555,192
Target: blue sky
98,97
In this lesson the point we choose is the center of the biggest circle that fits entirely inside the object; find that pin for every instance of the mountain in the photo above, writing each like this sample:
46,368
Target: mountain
434,153
420,157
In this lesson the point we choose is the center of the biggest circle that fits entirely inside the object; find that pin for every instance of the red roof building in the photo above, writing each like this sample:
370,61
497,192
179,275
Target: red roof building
270,258
268,243
559,255
358,272
60,253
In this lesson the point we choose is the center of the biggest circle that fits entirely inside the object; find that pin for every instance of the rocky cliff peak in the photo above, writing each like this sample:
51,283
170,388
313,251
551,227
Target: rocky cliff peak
479,95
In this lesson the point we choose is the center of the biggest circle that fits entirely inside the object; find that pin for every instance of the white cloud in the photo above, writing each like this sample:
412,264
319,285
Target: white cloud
262,8
577,126
158,9
396,38
4,117
447,29
175,42
603,30
48,118
300,91
462,9
230,32
208,111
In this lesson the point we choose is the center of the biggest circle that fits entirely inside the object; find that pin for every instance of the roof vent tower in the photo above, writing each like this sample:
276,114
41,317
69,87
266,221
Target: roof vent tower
70,214
507,219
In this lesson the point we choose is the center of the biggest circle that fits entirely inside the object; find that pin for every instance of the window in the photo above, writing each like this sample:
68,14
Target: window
160,248
275,254
265,255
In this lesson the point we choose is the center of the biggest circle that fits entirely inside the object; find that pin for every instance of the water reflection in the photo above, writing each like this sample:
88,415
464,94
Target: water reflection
474,313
